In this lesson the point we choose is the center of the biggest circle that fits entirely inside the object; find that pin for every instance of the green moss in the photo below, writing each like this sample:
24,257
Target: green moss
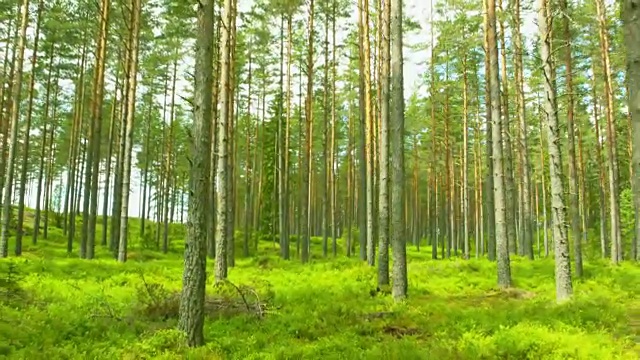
75,309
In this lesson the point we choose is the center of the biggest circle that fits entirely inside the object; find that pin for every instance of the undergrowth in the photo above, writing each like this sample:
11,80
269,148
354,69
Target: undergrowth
54,306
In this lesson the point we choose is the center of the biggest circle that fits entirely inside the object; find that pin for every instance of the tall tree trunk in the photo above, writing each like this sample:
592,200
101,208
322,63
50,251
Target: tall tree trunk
221,171
145,171
383,197
282,218
259,157
545,219
351,197
49,166
14,126
396,145
113,133
502,245
631,19
211,242
305,192
6,102
564,287
634,240
510,194
416,208
366,74
96,131
477,170
601,172
448,164
436,219
286,226
490,186
49,178
6,79
78,180
333,160
116,215
232,141
195,256
162,170
324,188
574,200
70,198
248,170
362,147
43,147
168,170
526,215
582,186
132,71
25,146
434,150
612,158
465,161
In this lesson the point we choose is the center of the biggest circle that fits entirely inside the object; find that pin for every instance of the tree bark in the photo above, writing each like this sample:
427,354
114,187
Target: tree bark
332,160
168,161
574,199
631,19
527,217
116,210
490,200
502,245
396,144
132,71
14,126
362,148
465,160
145,171
612,158
215,96
221,182
231,179
325,182
25,146
510,195
434,150
195,256
285,227
383,197
564,287
96,130
369,132
7,101
248,170
305,192
602,182
43,148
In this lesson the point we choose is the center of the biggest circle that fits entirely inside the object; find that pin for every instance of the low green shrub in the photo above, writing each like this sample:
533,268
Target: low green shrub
326,309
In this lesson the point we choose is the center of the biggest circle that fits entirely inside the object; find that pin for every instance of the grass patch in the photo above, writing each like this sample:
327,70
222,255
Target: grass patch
63,307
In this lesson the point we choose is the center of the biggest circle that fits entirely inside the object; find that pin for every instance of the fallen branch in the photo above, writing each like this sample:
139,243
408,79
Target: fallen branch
259,310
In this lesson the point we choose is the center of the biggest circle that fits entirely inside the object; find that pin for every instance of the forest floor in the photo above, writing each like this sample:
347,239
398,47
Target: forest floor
57,306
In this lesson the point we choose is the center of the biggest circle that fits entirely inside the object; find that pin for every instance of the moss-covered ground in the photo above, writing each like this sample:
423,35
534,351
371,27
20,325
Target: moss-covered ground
57,306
